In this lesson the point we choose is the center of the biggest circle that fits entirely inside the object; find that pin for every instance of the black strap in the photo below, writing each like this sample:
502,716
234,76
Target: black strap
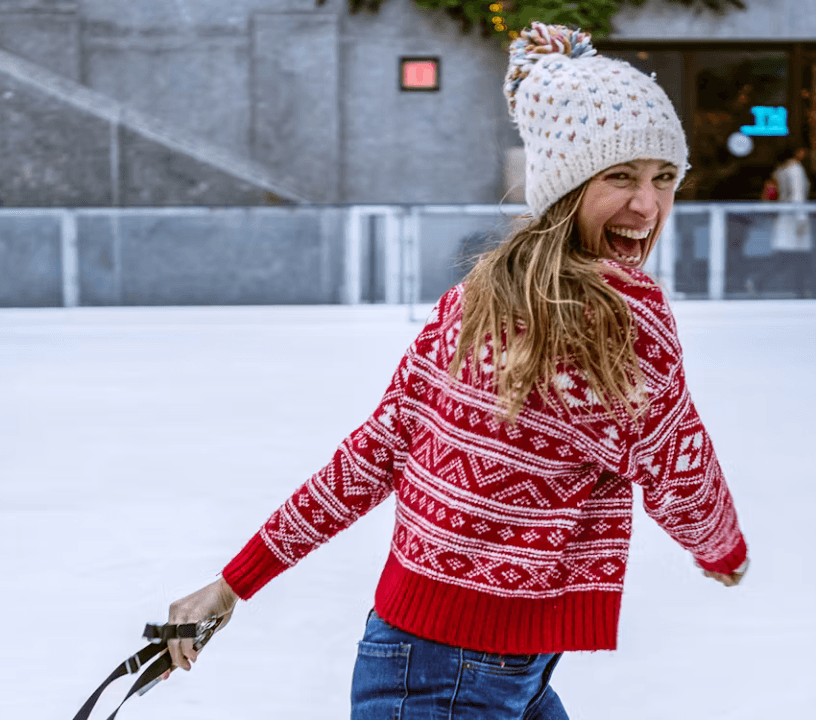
151,674
163,633
129,667
158,635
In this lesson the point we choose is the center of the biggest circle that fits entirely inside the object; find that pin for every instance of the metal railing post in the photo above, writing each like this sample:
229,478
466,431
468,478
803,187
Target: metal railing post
352,290
411,258
69,257
394,291
716,252
666,261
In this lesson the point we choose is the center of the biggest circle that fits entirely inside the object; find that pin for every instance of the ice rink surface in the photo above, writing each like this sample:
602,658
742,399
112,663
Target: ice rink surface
140,448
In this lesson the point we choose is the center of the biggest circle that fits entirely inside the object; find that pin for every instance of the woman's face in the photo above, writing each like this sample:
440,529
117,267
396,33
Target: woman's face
624,209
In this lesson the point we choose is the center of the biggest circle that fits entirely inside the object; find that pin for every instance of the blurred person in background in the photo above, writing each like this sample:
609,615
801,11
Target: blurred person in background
791,239
539,391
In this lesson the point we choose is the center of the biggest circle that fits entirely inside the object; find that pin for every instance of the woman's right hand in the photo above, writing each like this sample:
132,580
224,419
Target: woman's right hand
214,600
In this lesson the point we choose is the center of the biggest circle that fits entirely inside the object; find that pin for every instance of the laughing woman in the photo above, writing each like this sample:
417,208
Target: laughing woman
539,391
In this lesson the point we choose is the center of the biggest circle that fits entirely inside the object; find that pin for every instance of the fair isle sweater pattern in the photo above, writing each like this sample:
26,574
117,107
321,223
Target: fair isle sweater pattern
537,510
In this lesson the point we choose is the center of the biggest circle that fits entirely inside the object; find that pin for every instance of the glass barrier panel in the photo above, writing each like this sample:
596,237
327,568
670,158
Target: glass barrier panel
450,244
773,255
691,254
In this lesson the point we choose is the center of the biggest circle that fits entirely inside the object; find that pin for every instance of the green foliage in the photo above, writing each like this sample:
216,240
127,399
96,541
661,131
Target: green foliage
504,18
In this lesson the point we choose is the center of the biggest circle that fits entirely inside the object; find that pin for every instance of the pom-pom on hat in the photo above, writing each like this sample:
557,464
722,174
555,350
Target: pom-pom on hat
579,113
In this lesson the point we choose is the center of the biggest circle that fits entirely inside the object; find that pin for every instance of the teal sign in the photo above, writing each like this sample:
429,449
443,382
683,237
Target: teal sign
768,121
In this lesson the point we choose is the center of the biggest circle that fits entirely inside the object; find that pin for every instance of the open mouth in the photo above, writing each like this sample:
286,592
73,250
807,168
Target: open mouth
626,244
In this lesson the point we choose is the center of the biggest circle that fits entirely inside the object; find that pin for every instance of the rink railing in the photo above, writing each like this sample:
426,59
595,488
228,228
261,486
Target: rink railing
663,260
371,253
403,242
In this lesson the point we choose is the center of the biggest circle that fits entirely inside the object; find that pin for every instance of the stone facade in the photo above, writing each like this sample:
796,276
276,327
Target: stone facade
422,147
310,92
63,145
307,91
296,85
50,152
762,20
45,33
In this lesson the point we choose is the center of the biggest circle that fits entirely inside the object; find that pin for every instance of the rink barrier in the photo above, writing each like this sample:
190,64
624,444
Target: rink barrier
312,254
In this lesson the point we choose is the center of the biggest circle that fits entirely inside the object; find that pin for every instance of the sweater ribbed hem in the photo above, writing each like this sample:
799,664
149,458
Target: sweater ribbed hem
252,568
475,620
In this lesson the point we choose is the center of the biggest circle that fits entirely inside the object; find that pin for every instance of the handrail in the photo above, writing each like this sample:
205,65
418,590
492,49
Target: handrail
746,207
402,237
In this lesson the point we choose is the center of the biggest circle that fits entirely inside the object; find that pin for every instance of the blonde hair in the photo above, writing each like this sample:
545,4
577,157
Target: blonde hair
543,295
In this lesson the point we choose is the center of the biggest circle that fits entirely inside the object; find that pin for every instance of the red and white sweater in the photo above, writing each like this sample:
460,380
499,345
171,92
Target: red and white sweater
512,538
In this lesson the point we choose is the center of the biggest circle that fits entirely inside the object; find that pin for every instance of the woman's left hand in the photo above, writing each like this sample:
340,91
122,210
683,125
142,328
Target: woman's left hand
728,580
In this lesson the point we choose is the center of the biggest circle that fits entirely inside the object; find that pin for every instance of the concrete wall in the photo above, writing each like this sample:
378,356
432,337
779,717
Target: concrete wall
50,152
296,85
422,147
763,20
197,83
46,32
64,145
310,92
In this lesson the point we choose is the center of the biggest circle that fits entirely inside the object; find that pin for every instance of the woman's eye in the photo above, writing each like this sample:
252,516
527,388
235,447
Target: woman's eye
618,176
667,177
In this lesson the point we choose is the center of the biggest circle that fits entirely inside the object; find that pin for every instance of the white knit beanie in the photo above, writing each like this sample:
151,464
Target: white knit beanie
579,113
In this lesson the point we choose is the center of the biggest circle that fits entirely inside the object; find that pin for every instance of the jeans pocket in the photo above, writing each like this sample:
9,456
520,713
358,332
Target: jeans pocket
502,664
379,685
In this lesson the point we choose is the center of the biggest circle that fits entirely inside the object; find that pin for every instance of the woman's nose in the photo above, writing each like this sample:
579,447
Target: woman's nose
644,200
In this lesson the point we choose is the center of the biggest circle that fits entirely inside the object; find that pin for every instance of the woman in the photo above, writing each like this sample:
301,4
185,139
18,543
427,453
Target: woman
515,425
791,238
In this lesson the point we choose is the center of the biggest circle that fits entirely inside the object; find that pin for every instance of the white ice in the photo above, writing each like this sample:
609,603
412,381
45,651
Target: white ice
140,448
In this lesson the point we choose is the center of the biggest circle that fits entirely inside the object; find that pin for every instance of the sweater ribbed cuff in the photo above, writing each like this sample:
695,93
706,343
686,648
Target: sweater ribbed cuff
252,568
730,562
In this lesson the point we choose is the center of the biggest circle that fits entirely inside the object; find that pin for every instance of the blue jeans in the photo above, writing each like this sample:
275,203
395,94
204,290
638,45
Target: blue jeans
399,676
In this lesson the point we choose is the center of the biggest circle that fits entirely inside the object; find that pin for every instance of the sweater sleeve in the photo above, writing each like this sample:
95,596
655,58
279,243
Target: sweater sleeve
359,476
673,457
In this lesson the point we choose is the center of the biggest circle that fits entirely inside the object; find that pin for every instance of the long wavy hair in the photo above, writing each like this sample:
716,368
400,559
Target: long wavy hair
542,293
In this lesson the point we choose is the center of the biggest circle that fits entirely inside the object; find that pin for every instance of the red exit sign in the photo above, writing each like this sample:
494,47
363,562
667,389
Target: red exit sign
419,74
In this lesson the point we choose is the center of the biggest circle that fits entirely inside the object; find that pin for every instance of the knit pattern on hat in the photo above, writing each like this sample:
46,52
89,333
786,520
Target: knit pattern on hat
579,113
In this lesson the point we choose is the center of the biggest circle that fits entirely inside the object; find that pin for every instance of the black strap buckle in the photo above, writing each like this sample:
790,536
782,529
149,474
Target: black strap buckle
133,664
200,632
